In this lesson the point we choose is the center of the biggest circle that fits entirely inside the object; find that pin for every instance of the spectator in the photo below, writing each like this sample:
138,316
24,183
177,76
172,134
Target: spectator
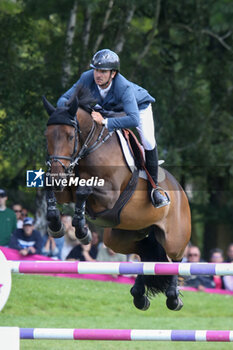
199,282
70,239
185,256
230,253
18,212
7,220
85,252
107,254
26,240
24,213
49,247
59,243
133,258
228,280
216,256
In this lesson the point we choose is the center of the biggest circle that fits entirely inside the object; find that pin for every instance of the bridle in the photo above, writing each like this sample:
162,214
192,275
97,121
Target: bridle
84,151
57,158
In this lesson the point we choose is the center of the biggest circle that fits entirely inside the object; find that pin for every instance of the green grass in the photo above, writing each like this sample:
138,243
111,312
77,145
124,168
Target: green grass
44,301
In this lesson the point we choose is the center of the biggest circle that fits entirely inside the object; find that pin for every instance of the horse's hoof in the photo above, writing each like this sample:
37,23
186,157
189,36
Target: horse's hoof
56,234
172,293
86,238
142,303
174,304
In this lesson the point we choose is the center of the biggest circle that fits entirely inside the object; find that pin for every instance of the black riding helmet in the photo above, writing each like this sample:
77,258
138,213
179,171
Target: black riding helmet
105,60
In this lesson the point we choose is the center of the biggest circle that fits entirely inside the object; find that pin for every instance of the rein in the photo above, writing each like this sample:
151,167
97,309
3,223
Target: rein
83,152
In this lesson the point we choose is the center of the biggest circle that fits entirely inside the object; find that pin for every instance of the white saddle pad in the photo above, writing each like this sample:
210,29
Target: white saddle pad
130,160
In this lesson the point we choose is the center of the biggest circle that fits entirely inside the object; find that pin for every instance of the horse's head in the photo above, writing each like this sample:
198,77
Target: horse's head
62,141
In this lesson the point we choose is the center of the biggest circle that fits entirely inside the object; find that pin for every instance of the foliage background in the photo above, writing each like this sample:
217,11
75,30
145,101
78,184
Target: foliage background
181,52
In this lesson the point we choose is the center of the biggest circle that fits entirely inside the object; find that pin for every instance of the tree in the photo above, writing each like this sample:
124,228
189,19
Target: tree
181,52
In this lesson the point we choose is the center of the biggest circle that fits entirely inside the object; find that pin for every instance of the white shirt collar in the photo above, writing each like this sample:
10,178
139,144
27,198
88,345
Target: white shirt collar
103,92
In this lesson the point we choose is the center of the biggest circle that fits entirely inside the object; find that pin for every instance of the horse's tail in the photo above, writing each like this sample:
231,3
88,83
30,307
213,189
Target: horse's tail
151,250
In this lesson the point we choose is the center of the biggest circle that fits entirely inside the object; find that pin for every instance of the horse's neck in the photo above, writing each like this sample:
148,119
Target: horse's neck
111,149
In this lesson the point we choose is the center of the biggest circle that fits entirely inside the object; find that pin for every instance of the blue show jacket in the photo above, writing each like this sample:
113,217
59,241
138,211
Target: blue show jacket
123,96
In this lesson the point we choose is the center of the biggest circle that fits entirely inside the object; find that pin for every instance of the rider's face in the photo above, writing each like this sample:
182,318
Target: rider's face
103,77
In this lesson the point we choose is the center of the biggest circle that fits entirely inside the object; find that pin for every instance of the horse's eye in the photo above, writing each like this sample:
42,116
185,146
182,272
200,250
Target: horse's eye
71,137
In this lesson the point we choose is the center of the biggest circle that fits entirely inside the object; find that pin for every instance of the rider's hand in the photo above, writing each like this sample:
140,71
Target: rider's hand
97,117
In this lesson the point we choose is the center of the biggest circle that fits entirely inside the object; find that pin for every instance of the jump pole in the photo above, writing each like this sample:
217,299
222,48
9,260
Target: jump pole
123,268
126,334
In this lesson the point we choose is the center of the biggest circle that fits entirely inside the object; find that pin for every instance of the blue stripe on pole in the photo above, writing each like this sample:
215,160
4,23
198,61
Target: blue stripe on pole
26,333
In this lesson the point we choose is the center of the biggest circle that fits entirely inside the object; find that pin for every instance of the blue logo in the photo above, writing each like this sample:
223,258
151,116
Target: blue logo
35,178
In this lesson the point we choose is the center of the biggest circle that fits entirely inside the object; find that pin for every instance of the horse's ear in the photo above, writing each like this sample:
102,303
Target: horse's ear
73,107
49,108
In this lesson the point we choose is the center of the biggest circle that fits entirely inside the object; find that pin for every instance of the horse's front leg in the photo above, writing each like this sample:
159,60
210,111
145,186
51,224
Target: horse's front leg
79,222
55,226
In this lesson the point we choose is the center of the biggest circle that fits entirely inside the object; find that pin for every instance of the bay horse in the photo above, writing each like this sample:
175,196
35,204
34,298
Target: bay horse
77,145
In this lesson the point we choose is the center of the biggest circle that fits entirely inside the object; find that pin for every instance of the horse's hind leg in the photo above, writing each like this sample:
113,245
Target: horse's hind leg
172,293
140,300
126,242
55,226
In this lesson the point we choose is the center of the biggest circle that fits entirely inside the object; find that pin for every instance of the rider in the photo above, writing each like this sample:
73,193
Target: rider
113,92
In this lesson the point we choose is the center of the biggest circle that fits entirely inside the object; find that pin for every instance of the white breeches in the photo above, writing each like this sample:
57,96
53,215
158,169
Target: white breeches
146,128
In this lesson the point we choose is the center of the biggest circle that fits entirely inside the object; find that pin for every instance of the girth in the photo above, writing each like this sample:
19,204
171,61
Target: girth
111,217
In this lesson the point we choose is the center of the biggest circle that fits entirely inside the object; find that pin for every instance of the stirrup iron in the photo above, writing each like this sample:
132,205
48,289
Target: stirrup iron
166,199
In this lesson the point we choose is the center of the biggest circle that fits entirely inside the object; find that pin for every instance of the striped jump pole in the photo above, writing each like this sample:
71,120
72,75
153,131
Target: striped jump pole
10,336
123,268
127,334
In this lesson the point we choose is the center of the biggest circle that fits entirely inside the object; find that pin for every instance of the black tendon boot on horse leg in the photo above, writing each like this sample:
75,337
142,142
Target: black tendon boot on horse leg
55,226
172,293
140,300
79,222
158,200
149,249
146,286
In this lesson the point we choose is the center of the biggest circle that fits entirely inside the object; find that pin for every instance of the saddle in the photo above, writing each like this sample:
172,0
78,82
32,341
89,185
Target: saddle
132,141
136,150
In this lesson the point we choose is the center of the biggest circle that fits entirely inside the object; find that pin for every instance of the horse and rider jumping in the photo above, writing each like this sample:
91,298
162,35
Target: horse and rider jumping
81,141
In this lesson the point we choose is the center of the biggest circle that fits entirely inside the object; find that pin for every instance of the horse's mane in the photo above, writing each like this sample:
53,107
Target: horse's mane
85,99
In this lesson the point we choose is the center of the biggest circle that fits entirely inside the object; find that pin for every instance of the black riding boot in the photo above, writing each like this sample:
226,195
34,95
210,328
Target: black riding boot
158,200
